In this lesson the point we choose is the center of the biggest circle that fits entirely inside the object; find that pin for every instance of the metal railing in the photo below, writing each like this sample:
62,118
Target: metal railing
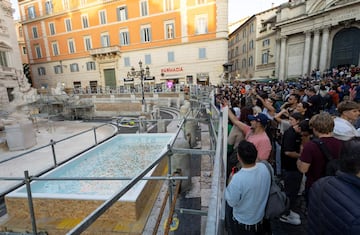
84,224
218,149
216,210
127,89
52,148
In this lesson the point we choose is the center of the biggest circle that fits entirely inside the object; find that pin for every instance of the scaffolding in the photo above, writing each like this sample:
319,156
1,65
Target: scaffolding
201,110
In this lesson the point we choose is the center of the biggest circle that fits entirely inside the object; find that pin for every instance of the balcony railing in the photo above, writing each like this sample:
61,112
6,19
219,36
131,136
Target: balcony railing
105,51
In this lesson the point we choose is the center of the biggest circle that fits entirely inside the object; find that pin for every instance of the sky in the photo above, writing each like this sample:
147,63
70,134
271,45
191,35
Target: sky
238,9
14,4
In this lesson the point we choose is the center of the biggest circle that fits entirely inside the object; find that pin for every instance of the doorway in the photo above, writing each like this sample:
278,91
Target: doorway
110,79
346,49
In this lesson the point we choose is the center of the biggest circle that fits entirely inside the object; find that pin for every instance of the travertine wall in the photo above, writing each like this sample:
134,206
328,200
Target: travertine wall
113,109
125,211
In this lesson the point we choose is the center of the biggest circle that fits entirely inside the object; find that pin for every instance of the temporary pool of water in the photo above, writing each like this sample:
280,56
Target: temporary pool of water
122,156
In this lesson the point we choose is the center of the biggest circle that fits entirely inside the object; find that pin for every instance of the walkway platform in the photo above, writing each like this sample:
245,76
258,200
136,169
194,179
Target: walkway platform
197,198
41,160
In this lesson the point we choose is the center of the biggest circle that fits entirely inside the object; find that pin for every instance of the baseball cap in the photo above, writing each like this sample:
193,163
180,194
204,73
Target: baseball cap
260,117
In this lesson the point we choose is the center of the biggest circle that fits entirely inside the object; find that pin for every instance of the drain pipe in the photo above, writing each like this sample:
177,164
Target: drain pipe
30,201
96,142
52,142
158,221
170,187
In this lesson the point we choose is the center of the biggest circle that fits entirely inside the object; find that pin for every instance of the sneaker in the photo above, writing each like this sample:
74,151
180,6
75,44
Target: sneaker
294,215
290,220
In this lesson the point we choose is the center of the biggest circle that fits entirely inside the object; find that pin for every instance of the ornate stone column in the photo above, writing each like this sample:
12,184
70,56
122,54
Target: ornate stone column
277,59
305,69
282,58
315,50
324,49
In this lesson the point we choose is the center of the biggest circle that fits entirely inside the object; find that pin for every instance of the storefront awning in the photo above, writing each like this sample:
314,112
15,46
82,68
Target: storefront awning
149,79
172,77
203,79
128,79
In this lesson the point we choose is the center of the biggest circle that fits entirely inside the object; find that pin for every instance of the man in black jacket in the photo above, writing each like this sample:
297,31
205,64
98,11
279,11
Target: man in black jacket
334,205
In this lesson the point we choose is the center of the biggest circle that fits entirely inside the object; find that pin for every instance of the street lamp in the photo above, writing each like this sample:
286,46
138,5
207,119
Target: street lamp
142,74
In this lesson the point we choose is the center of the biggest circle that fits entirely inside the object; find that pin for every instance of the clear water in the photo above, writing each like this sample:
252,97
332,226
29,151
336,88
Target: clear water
122,156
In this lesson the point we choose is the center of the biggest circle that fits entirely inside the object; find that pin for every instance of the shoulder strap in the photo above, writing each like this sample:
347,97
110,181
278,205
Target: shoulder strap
269,169
323,148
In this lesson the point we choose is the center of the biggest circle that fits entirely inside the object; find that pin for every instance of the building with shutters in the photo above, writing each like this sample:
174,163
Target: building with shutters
91,43
21,42
11,69
252,47
23,50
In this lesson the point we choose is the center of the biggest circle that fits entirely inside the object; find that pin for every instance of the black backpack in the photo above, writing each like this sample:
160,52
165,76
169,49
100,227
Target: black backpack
326,101
332,165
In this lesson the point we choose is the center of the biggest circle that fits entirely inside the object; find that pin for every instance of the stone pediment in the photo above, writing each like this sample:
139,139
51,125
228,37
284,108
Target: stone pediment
4,46
315,6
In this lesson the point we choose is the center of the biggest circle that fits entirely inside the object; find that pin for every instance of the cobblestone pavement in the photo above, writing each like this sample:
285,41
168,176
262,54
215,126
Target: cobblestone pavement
280,228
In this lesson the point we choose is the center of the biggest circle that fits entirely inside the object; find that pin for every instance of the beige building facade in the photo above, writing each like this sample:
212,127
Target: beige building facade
265,45
241,52
21,42
252,46
317,35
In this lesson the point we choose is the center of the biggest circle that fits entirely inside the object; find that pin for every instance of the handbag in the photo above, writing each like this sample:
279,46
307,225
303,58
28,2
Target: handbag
278,202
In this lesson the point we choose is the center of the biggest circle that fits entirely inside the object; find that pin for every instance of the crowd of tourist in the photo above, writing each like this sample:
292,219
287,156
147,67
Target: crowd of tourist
296,126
